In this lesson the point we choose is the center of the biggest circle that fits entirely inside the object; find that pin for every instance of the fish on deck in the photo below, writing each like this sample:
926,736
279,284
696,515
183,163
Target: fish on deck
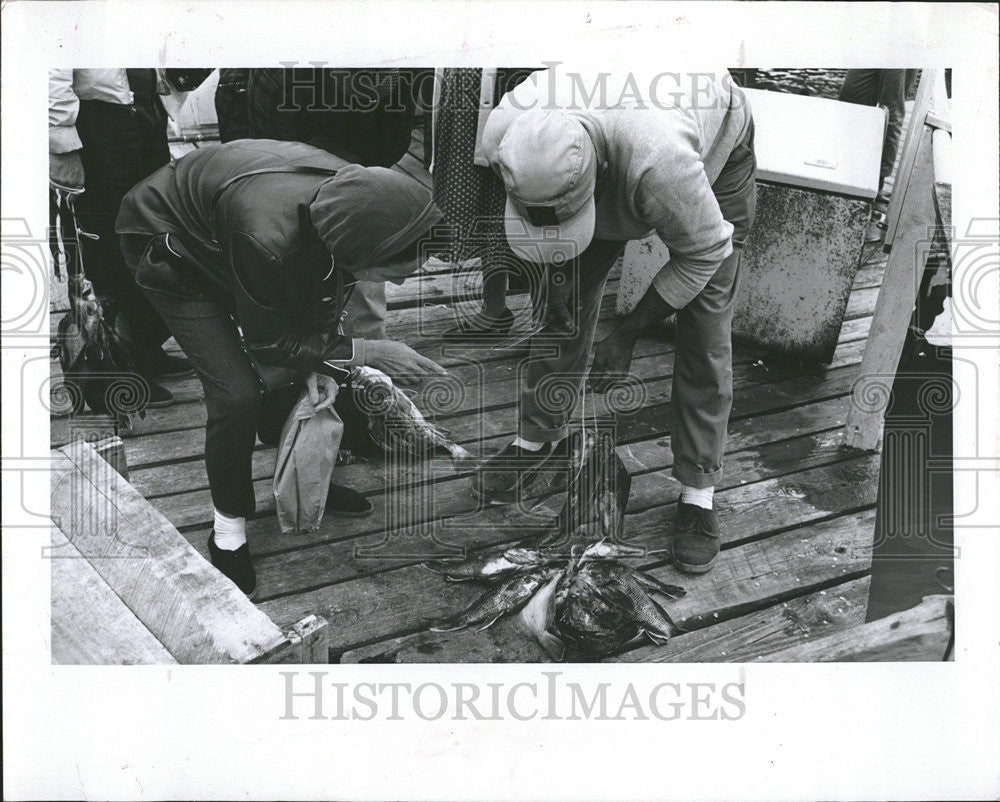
394,422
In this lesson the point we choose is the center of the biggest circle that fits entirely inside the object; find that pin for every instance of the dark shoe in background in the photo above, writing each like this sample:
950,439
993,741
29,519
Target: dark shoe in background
234,565
695,542
502,476
159,396
170,367
344,501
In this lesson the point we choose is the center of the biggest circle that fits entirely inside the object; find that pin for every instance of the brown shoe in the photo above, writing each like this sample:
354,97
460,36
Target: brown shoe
695,543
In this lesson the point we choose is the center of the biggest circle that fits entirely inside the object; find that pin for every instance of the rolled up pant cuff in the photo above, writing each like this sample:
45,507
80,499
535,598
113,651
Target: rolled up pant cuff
695,478
537,435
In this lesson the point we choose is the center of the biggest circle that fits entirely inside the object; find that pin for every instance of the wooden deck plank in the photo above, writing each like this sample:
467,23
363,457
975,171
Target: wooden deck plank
410,599
745,577
91,626
739,639
303,568
366,477
179,417
177,476
494,388
749,637
191,508
197,614
920,634
765,433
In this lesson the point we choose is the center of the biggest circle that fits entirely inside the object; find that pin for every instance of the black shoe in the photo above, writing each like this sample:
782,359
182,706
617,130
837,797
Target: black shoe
481,326
234,565
170,367
344,501
159,396
501,478
695,543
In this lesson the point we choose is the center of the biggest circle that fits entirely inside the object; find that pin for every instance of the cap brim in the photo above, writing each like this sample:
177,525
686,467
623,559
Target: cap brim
550,244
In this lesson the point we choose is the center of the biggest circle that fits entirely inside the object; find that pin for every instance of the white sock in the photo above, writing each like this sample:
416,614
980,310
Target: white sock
230,533
699,496
527,445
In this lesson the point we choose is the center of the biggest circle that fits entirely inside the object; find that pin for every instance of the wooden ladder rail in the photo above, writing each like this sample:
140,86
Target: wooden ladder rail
911,224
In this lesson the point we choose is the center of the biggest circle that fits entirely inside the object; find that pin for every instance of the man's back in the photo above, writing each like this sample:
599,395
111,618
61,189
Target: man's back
179,198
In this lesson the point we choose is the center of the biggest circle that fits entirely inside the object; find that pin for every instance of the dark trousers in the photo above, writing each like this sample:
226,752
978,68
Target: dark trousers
237,411
885,88
122,145
231,104
702,392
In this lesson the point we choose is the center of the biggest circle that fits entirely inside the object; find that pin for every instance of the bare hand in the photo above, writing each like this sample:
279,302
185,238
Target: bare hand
399,361
66,170
612,359
560,301
322,390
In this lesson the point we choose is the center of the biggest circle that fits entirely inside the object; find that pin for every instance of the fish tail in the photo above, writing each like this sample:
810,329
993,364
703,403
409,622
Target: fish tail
657,637
666,616
552,645
459,456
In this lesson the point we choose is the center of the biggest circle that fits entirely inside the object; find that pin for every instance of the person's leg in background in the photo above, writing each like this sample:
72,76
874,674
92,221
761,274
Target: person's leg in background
231,104
892,96
207,334
886,88
553,383
115,157
861,87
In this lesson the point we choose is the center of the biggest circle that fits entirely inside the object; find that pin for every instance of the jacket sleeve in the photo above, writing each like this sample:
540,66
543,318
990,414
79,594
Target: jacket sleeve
274,331
64,106
675,197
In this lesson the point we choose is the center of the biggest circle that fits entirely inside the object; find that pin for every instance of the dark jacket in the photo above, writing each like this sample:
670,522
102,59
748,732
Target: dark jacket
248,242
362,115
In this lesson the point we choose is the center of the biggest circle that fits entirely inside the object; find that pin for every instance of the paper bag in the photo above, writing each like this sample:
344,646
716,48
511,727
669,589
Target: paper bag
307,454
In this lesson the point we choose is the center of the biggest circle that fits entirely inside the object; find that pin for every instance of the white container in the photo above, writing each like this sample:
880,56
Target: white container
817,171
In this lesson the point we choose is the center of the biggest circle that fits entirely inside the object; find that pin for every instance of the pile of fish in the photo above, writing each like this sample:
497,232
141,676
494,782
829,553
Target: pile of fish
572,585
394,422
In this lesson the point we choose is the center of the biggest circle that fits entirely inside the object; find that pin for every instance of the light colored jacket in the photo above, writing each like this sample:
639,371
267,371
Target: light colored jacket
68,87
661,141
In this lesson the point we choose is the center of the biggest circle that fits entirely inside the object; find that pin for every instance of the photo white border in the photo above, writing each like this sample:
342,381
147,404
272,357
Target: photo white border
810,731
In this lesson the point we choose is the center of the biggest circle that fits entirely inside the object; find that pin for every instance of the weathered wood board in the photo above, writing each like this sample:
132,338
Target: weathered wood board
197,614
923,634
90,624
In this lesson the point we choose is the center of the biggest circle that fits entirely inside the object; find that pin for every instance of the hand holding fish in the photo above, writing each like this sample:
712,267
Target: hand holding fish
612,359
400,361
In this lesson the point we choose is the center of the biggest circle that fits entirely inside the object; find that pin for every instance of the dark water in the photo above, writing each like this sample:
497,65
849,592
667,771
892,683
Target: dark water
816,82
